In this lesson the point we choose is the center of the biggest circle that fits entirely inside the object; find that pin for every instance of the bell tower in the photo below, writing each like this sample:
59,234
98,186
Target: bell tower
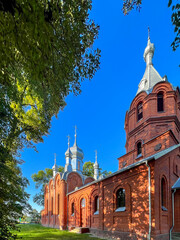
152,123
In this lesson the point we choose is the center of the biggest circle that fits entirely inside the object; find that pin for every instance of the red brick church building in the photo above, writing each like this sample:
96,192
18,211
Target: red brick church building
141,200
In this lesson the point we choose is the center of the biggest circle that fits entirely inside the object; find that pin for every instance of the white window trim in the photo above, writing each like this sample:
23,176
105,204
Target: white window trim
120,209
96,213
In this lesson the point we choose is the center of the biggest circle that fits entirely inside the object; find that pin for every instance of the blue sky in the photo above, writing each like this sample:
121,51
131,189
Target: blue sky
99,111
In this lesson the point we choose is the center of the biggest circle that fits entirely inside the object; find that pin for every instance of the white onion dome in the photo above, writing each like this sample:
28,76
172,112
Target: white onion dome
149,52
76,151
68,153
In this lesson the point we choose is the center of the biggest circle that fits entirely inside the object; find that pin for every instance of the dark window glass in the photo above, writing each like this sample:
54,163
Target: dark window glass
163,194
96,204
160,102
139,111
120,198
139,148
72,208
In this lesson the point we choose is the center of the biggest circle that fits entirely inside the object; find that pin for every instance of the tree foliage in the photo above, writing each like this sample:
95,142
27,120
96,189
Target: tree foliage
35,216
41,179
175,18
13,198
88,169
45,53
128,5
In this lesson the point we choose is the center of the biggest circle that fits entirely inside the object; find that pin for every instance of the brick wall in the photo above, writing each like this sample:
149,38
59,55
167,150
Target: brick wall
157,131
153,123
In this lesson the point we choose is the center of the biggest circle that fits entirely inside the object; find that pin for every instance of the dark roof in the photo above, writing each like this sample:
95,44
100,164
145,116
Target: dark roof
177,184
152,157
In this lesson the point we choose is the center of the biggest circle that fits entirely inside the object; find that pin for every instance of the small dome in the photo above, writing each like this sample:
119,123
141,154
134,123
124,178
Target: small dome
68,152
149,50
76,151
151,77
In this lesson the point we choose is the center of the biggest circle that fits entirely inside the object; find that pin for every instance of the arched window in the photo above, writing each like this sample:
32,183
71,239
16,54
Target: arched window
96,205
139,148
83,203
58,203
139,111
163,195
120,200
160,102
72,209
52,206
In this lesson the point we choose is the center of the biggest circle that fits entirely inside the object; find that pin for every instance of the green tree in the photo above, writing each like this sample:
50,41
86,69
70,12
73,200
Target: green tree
13,198
41,178
45,53
35,216
88,169
128,5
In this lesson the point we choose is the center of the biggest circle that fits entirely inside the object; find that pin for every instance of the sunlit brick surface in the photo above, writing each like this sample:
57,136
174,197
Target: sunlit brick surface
157,131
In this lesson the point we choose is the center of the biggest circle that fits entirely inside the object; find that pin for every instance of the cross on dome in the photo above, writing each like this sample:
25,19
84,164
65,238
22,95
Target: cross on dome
148,32
96,162
55,167
68,141
149,50
96,156
75,136
54,158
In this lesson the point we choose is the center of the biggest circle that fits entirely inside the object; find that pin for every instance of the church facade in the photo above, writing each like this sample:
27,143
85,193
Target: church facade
141,200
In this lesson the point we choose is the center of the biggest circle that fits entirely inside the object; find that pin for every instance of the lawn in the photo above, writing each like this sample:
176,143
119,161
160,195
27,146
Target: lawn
37,232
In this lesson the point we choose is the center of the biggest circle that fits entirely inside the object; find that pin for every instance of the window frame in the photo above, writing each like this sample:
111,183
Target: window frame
139,111
160,102
139,147
83,202
163,194
120,208
72,209
96,205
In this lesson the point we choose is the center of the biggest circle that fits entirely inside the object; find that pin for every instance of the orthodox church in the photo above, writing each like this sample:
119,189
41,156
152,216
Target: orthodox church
141,200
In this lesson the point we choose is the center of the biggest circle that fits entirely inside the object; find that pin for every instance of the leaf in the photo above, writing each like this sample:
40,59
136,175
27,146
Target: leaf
169,3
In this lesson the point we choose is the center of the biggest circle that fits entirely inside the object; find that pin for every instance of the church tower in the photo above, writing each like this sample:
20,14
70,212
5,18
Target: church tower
152,122
77,156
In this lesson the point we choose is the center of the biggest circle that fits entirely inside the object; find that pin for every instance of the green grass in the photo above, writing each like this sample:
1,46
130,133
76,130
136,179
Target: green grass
38,232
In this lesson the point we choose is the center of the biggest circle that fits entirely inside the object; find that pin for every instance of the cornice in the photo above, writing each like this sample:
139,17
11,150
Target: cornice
155,119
